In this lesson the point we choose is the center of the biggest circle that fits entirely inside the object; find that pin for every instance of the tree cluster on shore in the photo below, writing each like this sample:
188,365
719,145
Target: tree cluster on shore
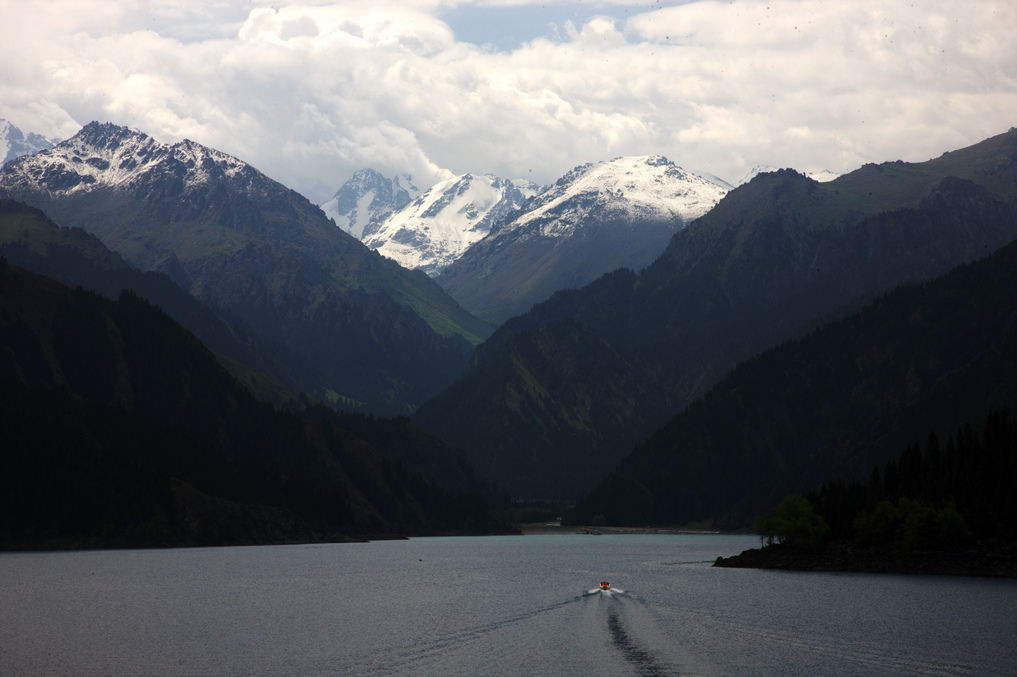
936,496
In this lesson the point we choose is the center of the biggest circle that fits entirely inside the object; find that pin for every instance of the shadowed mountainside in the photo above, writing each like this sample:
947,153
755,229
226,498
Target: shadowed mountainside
122,429
774,258
28,238
831,405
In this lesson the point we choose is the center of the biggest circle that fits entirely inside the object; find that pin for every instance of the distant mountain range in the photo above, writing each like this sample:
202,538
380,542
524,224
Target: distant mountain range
500,246
638,304
15,143
775,257
354,327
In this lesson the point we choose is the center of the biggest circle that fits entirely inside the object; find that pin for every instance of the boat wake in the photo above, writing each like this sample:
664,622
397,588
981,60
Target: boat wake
414,659
634,636
643,660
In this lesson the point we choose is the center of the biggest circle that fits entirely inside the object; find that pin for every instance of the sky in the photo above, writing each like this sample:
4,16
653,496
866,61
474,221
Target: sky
309,93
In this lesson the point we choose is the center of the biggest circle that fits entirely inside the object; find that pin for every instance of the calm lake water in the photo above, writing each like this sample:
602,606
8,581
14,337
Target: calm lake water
488,606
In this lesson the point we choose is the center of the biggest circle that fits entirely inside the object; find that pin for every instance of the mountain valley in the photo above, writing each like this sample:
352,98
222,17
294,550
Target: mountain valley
650,345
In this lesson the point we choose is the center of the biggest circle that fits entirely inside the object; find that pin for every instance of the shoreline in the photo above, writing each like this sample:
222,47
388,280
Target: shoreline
991,560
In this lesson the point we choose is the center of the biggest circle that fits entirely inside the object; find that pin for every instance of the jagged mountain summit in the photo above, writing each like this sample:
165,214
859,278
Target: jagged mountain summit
367,199
15,143
355,325
436,228
597,218
110,157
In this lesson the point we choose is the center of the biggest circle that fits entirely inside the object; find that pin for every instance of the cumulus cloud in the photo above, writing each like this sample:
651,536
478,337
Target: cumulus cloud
311,92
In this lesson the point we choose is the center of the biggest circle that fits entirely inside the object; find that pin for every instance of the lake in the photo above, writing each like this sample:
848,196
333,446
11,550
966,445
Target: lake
513,605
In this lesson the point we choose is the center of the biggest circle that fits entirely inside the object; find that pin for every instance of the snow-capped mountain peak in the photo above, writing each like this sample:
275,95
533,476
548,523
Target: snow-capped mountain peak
595,219
15,143
433,230
714,179
627,189
104,154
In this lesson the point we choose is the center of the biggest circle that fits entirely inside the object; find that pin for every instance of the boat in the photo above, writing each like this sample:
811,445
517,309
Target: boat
605,585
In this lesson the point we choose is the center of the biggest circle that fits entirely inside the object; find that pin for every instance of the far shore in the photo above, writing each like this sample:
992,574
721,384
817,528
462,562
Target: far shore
555,528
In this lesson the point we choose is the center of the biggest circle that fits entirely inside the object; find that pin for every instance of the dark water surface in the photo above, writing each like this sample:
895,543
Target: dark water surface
523,605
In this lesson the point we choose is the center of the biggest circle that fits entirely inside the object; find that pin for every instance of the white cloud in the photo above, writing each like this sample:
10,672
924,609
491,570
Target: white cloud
311,92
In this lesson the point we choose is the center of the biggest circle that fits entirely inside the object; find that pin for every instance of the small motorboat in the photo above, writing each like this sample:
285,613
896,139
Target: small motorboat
605,585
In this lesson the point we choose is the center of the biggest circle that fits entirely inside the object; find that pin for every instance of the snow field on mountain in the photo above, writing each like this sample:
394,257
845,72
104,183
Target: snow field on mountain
436,228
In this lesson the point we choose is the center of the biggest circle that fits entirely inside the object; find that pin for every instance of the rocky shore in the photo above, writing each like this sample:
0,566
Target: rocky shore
984,559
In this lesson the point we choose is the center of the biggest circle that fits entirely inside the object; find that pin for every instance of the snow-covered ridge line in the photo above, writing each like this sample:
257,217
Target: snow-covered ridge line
433,229
109,155
437,227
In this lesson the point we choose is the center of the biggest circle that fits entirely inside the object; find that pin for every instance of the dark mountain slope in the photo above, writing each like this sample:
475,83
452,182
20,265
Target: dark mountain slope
115,395
367,329
71,256
499,278
773,258
522,387
833,405
422,452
